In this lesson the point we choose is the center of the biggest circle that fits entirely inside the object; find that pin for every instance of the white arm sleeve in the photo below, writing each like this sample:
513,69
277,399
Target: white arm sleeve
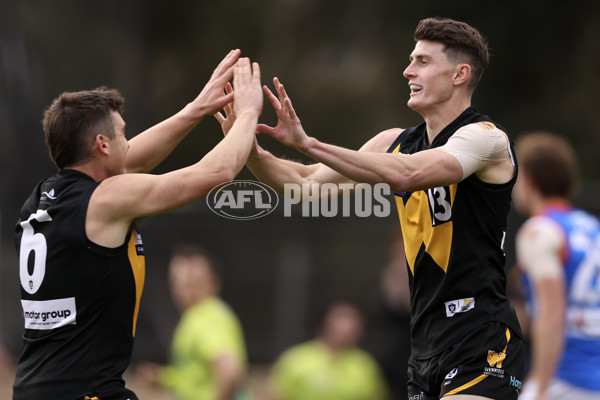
474,145
539,245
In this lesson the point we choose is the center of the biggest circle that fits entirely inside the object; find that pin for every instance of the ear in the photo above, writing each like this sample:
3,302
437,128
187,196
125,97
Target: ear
462,74
101,144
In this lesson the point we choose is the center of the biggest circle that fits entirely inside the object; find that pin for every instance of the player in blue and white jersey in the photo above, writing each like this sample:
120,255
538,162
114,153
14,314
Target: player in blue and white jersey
558,251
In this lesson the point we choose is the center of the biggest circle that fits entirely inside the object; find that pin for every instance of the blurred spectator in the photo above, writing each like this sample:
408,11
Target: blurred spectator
208,355
330,367
393,305
558,249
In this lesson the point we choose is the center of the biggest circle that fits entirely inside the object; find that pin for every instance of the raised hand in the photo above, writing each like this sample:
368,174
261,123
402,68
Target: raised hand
247,94
213,97
288,130
228,119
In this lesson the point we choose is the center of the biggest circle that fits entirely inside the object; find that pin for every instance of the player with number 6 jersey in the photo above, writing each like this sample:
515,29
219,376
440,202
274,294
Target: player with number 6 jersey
80,300
81,258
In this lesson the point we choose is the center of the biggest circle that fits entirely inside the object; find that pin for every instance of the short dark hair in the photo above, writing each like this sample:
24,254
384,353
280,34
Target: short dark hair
550,161
74,119
189,250
462,42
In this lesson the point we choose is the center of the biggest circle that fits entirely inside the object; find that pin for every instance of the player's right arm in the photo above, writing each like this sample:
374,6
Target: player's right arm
275,171
121,199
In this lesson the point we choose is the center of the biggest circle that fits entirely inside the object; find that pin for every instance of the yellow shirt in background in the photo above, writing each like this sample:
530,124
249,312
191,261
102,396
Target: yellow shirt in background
309,371
206,331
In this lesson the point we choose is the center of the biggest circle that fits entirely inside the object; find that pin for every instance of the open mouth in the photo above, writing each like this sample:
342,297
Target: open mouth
415,88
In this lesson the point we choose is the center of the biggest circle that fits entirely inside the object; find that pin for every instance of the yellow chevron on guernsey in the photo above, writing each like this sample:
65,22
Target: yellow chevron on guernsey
418,228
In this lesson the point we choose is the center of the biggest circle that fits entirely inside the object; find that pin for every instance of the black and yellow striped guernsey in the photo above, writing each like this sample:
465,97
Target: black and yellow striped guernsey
80,300
453,238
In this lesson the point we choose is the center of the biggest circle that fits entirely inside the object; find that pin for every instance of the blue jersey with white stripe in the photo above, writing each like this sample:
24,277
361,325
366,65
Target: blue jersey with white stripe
580,363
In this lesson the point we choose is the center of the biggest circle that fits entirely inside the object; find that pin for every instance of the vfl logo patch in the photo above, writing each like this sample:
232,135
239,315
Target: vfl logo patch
459,306
452,373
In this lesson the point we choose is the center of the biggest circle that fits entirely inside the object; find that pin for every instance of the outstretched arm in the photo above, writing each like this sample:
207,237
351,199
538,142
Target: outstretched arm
276,172
422,170
121,199
151,147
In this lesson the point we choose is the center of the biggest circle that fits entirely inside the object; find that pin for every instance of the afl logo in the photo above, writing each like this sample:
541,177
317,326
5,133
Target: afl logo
242,200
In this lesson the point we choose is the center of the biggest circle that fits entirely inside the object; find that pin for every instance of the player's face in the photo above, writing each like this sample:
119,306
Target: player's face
430,76
343,327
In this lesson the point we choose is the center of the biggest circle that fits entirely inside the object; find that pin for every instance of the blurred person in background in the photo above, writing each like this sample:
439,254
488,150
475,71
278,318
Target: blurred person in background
558,251
81,258
208,353
331,366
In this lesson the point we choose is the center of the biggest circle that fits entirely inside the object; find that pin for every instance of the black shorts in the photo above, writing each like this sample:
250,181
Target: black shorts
489,362
124,394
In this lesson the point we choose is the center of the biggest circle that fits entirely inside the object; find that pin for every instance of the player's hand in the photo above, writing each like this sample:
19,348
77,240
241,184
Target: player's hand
214,97
247,93
288,130
228,119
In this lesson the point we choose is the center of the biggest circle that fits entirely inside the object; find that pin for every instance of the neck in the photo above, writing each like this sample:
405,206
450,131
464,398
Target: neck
330,345
199,299
543,203
442,115
90,169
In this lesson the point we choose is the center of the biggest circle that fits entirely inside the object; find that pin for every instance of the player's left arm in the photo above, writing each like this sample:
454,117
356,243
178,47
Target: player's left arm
539,247
422,170
151,147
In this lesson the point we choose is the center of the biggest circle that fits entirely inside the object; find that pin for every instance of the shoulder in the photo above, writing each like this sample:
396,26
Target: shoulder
483,134
540,225
381,142
301,351
540,243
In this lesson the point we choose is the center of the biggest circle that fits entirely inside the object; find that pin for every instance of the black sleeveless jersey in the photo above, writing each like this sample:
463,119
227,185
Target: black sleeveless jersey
453,238
80,300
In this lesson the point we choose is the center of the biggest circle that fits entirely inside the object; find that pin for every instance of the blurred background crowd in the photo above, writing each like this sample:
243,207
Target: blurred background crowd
342,63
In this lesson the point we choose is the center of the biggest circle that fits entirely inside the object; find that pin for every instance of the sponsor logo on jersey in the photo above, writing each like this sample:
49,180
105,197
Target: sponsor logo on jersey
50,194
242,200
495,360
459,306
49,314
46,199
139,246
515,383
